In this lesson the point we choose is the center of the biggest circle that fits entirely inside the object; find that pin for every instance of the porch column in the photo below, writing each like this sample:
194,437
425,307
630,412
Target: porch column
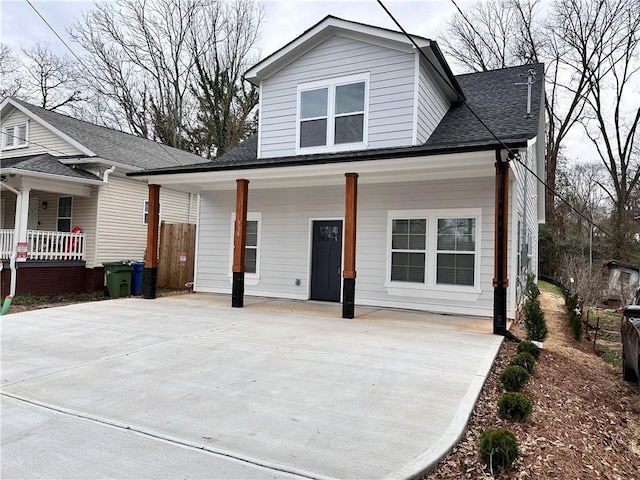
349,271
151,258
500,280
239,242
21,223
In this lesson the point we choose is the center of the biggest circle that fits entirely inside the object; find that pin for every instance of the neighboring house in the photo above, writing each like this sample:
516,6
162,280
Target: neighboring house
624,280
76,207
353,118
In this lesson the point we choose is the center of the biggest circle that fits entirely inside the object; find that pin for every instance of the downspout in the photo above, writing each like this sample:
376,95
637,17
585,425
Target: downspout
14,253
105,176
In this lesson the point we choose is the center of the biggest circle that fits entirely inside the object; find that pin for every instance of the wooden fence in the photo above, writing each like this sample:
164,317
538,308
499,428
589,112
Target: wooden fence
176,255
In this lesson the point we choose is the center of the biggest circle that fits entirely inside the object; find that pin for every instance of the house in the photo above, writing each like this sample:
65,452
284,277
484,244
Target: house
623,281
66,199
369,182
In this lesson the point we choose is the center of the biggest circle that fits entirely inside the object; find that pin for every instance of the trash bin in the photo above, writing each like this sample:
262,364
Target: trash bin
136,278
118,278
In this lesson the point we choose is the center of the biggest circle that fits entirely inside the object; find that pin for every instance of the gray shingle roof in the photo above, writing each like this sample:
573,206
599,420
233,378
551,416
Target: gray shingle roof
493,95
45,163
113,145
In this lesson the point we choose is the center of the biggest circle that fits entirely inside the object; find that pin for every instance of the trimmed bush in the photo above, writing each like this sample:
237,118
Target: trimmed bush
531,289
513,378
515,407
534,321
498,449
524,360
529,347
575,322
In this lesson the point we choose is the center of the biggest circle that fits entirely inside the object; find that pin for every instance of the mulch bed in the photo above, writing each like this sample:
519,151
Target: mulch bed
585,422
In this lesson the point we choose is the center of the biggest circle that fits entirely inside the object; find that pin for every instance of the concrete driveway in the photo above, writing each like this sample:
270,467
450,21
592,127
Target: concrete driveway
187,387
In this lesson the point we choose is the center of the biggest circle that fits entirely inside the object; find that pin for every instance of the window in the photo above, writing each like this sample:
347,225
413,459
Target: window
433,251
15,136
65,205
456,248
251,246
408,250
332,114
145,212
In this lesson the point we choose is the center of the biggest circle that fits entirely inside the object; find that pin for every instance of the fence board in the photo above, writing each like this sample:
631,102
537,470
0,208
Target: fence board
176,240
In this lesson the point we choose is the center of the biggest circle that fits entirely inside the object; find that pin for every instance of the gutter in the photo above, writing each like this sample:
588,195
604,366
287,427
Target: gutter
14,253
295,161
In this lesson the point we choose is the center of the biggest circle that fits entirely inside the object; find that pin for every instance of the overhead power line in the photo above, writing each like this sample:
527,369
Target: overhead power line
56,34
515,155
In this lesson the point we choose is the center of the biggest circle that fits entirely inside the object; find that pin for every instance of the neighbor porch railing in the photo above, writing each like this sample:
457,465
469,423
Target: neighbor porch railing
46,245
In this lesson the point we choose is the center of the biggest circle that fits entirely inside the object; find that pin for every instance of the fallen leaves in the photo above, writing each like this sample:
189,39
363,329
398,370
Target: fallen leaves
585,422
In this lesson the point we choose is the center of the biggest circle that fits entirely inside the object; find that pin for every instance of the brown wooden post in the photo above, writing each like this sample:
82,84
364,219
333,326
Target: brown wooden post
500,278
349,270
239,242
151,258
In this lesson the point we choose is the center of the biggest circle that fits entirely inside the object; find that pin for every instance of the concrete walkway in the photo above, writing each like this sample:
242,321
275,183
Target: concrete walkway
187,387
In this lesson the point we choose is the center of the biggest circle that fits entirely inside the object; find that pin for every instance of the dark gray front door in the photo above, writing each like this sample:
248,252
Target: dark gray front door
326,260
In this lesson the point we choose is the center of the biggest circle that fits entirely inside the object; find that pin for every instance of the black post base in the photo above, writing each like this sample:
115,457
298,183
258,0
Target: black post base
150,283
348,297
237,290
499,311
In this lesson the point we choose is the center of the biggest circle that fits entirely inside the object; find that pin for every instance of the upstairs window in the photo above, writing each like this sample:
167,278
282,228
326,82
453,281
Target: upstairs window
15,136
332,115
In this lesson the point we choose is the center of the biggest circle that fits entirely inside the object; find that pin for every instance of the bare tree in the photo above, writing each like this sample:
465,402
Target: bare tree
613,110
589,282
573,33
162,65
49,80
10,80
227,103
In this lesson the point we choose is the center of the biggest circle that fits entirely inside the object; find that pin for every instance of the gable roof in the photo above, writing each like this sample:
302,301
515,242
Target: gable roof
459,131
329,26
106,143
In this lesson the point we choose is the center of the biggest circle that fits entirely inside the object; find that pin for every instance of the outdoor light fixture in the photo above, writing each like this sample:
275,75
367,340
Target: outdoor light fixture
45,204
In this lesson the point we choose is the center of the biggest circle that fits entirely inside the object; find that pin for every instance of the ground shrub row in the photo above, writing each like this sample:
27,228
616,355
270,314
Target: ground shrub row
574,310
499,446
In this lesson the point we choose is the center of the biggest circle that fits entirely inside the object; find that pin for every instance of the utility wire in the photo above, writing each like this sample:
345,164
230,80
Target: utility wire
515,155
56,34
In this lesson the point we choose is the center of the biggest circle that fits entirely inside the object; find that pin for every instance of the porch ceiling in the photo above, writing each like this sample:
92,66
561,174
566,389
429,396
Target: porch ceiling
439,167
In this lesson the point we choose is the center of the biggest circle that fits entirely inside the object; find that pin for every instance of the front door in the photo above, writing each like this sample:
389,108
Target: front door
32,219
326,260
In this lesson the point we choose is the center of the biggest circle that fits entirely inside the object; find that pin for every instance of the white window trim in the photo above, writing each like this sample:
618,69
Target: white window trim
26,135
145,212
251,279
431,289
331,85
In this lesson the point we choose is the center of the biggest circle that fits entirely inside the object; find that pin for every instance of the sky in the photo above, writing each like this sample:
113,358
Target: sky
20,25
284,19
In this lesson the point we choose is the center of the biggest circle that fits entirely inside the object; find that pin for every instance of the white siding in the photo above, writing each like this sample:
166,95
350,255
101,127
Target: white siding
285,247
525,194
41,139
391,94
432,103
122,235
84,215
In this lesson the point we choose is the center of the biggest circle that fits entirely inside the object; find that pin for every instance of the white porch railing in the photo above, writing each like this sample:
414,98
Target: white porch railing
45,245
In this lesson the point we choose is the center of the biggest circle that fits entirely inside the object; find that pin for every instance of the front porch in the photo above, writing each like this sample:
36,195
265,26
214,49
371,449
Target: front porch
44,245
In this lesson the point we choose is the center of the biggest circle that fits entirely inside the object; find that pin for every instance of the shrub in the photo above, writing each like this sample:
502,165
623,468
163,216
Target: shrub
515,407
513,378
529,347
575,322
534,321
531,289
571,302
498,449
524,360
